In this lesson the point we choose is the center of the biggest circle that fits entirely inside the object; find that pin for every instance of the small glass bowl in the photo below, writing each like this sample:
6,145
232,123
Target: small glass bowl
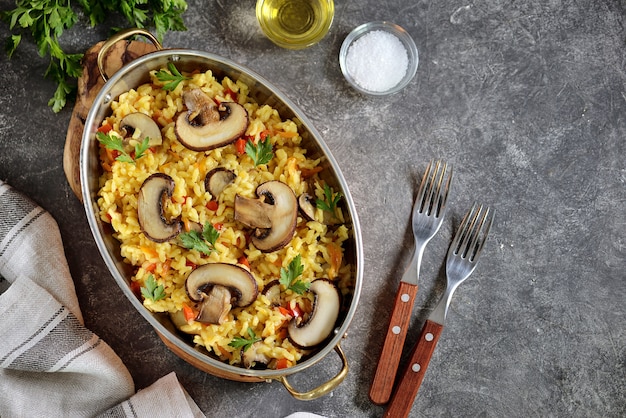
401,34
295,24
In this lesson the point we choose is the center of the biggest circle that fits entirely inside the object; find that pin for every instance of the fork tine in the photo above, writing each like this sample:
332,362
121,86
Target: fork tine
433,191
442,195
473,231
424,187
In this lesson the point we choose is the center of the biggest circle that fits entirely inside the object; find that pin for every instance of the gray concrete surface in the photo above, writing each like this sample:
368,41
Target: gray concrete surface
526,99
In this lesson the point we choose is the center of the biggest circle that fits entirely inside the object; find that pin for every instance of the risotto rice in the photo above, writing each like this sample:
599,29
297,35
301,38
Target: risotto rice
320,246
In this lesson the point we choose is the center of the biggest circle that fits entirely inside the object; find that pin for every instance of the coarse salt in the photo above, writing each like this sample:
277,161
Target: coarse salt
377,61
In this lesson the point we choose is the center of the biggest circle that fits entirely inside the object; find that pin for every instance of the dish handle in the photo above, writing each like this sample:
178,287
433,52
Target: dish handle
324,388
119,36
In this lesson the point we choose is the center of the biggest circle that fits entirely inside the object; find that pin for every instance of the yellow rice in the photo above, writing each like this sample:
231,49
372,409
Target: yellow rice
170,264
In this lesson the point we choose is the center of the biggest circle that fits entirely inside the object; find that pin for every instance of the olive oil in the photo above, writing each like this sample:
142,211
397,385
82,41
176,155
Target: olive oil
295,24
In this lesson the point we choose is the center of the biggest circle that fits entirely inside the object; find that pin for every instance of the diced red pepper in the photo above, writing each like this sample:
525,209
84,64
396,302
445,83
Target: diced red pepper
212,205
105,128
135,287
191,264
218,226
284,311
234,96
240,146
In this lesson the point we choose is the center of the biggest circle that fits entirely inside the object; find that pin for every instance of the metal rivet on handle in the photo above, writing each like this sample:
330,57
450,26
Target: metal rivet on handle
396,330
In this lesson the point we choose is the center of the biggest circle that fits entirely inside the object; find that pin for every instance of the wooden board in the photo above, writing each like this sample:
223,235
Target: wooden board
89,84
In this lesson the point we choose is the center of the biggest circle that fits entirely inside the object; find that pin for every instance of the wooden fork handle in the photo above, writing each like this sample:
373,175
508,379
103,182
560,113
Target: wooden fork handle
380,390
412,377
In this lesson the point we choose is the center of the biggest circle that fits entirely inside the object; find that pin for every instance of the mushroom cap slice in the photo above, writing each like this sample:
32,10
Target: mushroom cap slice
217,180
307,205
206,125
322,320
252,357
272,292
154,190
274,215
237,280
147,127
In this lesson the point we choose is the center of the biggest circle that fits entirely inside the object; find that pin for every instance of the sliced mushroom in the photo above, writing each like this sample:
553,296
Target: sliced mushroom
272,292
306,202
217,180
154,190
215,306
202,283
252,357
308,207
206,125
322,319
273,215
147,127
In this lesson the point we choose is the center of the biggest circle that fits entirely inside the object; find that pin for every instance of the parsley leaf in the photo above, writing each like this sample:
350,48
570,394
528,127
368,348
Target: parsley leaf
245,343
151,290
46,21
289,276
260,153
115,143
173,78
203,242
330,199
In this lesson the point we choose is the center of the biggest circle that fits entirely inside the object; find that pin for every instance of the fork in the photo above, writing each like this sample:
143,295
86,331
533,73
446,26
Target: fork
428,212
461,261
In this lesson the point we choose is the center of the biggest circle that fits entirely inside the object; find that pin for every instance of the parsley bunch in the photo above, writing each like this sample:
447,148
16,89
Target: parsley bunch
47,20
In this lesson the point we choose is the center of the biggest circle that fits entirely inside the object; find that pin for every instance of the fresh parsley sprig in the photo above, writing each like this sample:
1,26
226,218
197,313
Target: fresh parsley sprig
172,78
47,20
261,153
153,291
329,203
115,143
245,343
203,242
289,276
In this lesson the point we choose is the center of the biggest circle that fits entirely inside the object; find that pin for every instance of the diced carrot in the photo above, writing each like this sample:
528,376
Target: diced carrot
149,252
282,363
189,312
287,134
165,267
150,268
243,260
284,311
336,256
310,172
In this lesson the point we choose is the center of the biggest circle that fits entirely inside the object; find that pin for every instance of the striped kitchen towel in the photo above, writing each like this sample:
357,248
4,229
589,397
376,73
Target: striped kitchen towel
50,364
